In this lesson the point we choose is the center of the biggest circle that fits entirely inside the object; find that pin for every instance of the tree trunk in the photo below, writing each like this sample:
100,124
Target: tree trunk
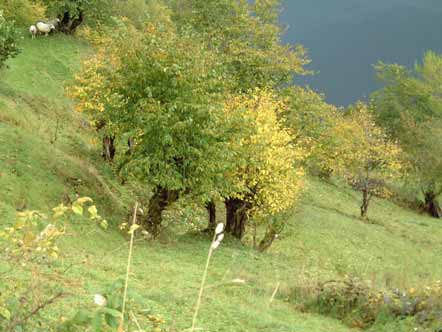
69,23
211,209
130,146
236,217
432,205
365,202
159,201
108,148
268,239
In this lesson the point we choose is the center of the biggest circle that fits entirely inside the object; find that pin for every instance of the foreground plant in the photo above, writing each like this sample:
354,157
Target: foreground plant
115,310
217,238
29,245
8,40
129,262
359,304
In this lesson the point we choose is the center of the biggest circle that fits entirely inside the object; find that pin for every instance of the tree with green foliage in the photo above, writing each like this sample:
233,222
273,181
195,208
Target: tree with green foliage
311,118
247,37
23,12
72,13
167,91
162,91
409,107
8,40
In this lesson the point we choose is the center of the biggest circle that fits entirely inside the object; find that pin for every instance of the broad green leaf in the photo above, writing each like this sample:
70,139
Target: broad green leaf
77,209
104,224
112,312
5,313
93,212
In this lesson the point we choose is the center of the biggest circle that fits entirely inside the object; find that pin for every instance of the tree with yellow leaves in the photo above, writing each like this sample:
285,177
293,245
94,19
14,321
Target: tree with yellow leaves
363,154
268,175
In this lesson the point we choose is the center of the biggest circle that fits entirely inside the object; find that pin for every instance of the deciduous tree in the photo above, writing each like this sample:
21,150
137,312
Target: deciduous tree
268,177
409,107
164,92
363,154
311,118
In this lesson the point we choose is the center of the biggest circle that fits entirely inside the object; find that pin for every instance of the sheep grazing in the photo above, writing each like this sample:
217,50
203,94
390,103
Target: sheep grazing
55,22
33,30
45,28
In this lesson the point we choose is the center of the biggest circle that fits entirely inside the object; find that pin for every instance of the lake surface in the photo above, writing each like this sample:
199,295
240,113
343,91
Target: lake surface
346,37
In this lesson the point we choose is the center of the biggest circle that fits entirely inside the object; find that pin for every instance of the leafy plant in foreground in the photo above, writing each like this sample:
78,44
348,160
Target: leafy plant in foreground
29,245
8,40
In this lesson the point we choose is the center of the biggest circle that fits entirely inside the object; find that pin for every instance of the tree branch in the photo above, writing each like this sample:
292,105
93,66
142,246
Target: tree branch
34,312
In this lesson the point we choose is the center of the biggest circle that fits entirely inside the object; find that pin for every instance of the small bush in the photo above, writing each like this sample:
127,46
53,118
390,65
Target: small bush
28,246
135,10
359,305
8,40
23,12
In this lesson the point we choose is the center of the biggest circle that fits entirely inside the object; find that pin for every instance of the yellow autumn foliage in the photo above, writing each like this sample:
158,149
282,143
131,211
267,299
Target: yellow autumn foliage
269,174
362,149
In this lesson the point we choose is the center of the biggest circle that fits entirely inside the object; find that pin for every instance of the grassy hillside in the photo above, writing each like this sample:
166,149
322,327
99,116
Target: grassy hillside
47,154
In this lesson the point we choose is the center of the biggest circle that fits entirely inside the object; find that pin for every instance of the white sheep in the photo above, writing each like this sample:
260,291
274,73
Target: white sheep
45,27
56,22
33,30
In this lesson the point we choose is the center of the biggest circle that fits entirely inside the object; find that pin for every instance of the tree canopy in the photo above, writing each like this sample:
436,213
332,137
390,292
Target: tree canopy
195,130
409,107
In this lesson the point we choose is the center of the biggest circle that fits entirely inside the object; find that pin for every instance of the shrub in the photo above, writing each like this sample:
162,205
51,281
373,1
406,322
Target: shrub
28,246
361,305
8,40
23,12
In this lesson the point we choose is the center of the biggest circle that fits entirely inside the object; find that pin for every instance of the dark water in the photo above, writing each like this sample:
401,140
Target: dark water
346,37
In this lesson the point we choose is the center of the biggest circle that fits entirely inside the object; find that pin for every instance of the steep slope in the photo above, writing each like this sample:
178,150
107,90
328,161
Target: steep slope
324,239
47,153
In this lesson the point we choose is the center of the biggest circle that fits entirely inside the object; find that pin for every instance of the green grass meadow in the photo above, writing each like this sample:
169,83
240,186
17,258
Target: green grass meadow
48,154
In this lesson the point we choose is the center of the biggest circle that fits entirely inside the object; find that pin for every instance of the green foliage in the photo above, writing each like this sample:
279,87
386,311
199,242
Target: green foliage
137,11
312,119
360,305
167,90
163,93
410,108
23,12
106,315
32,241
96,11
247,38
8,39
